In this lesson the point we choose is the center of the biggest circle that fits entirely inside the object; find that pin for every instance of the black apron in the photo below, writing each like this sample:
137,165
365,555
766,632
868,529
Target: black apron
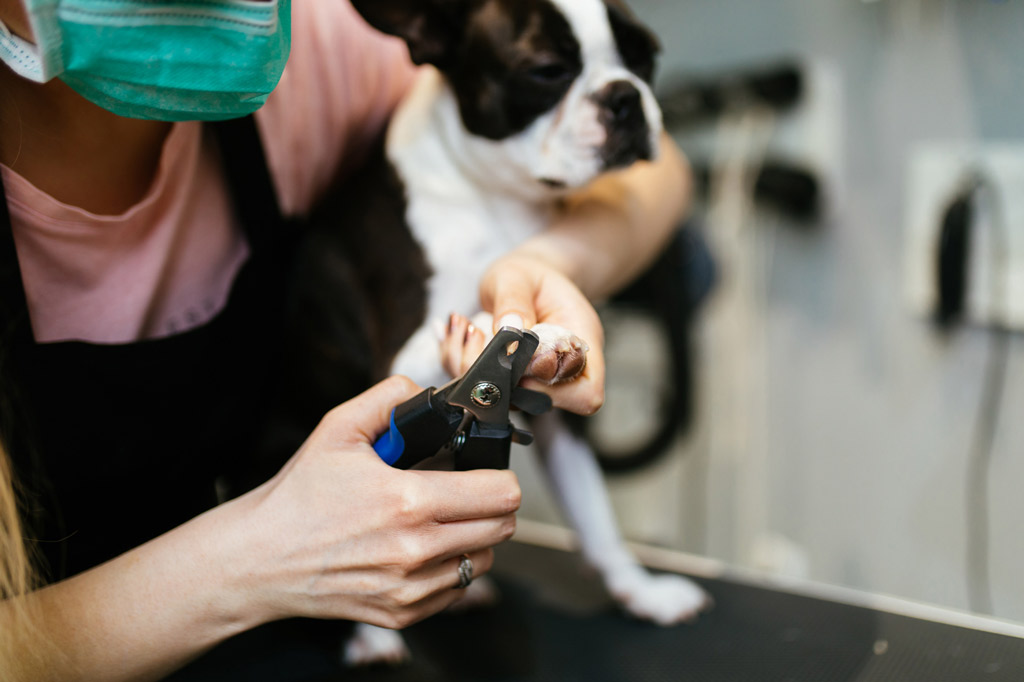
119,443
125,441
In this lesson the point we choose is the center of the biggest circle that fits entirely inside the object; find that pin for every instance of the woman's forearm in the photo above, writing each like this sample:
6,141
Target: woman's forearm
138,616
336,534
607,234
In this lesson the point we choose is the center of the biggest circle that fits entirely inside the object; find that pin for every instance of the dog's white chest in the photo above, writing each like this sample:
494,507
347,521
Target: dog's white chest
462,219
460,240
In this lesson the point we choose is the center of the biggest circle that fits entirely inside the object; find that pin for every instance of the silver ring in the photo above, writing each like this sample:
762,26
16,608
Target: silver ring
465,572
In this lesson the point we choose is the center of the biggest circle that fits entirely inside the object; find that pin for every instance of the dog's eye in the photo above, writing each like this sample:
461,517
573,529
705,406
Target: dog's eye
552,73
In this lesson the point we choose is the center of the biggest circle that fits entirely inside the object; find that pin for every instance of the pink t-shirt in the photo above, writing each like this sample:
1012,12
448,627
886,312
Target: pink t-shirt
167,263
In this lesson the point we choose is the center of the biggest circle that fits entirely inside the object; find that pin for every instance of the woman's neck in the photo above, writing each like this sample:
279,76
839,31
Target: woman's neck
75,151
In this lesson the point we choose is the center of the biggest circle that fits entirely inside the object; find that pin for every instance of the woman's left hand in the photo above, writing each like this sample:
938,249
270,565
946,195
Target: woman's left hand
522,291
602,238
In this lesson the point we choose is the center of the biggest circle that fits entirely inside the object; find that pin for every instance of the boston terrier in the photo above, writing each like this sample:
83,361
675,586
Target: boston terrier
518,103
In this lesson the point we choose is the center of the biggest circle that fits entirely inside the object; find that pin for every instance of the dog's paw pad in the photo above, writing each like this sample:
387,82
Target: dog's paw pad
560,356
371,645
662,599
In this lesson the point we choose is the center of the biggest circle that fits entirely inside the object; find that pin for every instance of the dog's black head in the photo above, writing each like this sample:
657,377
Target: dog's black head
566,82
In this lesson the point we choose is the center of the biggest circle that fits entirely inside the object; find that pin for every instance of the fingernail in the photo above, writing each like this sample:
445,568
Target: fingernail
511,320
451,321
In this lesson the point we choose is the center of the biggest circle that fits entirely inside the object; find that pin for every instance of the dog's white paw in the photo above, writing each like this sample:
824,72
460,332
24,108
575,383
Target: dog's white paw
370,645
560,356
662,599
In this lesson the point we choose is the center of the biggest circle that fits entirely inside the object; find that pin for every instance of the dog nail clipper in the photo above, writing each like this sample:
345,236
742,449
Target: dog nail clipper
469,416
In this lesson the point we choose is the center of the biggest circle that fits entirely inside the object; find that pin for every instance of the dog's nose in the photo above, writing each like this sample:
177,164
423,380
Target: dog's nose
621,99
620,111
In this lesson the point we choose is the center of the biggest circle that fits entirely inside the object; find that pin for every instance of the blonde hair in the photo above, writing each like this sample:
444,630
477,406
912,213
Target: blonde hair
19,637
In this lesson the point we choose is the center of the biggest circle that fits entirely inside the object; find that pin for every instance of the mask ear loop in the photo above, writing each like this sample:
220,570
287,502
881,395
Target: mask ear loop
21,55
29,59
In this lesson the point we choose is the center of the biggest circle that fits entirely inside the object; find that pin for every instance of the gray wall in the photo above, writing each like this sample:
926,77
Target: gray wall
835,424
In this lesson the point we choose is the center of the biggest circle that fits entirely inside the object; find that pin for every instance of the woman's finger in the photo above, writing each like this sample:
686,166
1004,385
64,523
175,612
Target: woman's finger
474,344
432,589
363,418
452,343
445,579
463,537
463,495
445,575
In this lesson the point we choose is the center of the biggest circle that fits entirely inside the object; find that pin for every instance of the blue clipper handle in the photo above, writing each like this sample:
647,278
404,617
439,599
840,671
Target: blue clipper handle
420,427
391,445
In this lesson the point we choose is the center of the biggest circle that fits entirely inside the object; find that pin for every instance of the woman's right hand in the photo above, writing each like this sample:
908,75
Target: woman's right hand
339,534
335,534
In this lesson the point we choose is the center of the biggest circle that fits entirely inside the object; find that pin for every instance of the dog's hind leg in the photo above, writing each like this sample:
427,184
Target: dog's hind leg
580,488
369,645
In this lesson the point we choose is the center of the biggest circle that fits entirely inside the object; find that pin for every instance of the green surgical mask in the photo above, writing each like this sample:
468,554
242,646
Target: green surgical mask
155,59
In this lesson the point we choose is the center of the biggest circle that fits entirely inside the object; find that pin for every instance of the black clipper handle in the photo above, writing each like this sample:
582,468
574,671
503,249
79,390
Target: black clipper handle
485,447
420,427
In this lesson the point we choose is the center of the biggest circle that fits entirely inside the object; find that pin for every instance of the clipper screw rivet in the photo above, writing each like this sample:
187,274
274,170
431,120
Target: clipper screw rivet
485,394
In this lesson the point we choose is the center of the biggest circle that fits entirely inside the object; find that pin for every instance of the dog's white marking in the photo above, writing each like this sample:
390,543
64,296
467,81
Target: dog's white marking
371,644
592,32
579,486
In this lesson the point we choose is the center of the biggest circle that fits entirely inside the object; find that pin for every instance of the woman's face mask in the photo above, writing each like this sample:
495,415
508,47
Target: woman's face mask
164,60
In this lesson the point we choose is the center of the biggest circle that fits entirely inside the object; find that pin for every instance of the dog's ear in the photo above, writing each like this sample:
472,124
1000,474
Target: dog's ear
431,28
636,43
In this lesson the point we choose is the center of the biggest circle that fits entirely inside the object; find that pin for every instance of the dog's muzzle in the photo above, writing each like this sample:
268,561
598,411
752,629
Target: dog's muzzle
621,111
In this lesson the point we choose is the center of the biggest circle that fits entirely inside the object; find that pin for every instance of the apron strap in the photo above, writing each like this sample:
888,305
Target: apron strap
13,305
248,176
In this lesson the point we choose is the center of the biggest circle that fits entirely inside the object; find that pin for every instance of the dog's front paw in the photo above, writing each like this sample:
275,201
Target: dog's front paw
662,599
561,355
371,645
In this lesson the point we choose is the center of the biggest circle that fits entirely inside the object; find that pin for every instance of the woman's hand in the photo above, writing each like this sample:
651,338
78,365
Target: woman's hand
523,291
601,239
339,534
336,534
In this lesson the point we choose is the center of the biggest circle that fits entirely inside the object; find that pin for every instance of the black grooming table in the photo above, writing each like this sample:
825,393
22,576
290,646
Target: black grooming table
555,623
